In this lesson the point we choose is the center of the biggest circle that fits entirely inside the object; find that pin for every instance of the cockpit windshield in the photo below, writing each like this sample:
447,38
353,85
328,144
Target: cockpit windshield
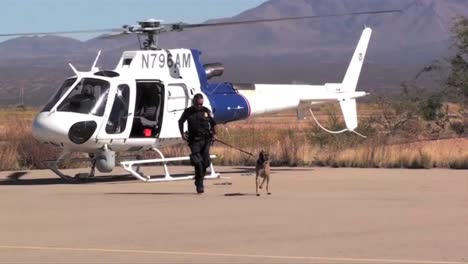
89,96
58,94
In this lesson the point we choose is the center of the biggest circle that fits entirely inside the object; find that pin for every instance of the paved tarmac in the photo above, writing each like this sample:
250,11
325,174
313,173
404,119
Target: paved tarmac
314,215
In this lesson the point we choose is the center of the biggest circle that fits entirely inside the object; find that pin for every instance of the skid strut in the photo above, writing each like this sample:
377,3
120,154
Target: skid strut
134,166
53,166
65,156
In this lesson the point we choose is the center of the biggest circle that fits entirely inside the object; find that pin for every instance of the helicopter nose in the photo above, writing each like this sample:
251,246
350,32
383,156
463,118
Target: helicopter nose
63,129
46,129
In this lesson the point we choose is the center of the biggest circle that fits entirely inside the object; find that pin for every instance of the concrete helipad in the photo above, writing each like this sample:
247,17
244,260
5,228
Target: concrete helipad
316,215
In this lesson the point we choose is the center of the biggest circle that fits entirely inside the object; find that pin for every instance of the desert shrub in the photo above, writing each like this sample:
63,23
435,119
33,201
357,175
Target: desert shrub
458,127
431,108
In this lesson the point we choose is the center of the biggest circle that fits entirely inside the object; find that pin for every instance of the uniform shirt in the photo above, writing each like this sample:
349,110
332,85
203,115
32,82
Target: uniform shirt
200,122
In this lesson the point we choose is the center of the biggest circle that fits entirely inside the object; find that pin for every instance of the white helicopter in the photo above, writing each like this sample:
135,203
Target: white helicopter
136,106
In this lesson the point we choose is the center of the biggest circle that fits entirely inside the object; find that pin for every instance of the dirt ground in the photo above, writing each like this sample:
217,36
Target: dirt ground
314,215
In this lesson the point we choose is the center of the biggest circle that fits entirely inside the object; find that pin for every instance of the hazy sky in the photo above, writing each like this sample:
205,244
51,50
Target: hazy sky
58,15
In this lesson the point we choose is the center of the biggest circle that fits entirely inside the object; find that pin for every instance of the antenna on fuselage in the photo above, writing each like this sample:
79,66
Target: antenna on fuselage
94,68
74,70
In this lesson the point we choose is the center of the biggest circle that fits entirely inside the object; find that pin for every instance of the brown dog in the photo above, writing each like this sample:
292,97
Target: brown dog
262,170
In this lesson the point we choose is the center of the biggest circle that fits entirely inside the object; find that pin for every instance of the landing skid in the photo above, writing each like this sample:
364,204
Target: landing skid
134,166
131,166
53,166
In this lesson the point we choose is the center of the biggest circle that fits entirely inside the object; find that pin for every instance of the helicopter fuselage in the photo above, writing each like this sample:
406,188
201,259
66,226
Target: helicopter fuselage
137,105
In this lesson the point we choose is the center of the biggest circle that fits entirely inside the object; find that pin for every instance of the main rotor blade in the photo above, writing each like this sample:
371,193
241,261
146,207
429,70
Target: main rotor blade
60,32
182,26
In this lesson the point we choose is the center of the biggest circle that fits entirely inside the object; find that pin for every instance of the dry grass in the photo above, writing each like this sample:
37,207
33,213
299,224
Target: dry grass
290,143
297,147
450,153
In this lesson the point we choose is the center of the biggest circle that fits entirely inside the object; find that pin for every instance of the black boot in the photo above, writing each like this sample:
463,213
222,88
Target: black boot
199,186
199,170
200,189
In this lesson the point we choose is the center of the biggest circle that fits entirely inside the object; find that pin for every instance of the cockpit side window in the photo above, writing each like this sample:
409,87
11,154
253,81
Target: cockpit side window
58,94
89,96
118,116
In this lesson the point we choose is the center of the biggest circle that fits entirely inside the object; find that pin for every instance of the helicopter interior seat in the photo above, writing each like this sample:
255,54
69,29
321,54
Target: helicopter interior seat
81,103
148,113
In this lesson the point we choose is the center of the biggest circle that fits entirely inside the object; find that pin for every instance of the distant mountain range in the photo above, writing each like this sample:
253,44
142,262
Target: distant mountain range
313,51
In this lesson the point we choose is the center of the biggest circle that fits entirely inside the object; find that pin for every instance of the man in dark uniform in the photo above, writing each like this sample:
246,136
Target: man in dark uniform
201,132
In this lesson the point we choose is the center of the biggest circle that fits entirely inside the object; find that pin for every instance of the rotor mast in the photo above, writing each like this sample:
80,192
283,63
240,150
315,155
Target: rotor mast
151,28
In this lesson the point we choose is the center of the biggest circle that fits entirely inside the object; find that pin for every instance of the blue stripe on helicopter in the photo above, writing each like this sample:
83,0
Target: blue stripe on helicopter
227,104
200,69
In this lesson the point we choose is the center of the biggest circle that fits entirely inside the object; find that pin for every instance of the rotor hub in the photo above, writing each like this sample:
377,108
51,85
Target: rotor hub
151,28
150,24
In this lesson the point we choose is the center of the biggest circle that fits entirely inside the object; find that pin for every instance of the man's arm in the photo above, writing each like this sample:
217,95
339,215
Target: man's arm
212,122
182,120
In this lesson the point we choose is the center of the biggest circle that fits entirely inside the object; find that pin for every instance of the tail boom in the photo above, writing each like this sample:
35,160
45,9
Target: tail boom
270,98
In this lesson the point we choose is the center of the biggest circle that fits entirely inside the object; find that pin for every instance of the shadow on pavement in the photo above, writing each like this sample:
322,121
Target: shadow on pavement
57,181
273,169
239,194
153,193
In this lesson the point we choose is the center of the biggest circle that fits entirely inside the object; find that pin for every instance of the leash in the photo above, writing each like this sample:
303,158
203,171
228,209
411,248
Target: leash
243,151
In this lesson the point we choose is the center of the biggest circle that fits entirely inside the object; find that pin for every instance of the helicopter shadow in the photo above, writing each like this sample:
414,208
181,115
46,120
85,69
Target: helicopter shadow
15,179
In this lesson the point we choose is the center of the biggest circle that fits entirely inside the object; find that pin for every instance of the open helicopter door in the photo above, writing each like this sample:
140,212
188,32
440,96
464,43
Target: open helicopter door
119,115
148,118
177,99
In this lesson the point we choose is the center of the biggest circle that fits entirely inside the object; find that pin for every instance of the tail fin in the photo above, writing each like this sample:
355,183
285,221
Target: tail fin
354,70
348,105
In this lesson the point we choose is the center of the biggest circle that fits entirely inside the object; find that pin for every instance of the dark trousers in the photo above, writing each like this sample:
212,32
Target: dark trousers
200,158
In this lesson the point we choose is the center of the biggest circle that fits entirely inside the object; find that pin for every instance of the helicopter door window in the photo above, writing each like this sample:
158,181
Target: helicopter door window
89,96
54,99
118,116
177,97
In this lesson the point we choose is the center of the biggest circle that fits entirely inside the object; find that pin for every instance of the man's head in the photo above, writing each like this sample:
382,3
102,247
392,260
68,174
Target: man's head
198,101
87,90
